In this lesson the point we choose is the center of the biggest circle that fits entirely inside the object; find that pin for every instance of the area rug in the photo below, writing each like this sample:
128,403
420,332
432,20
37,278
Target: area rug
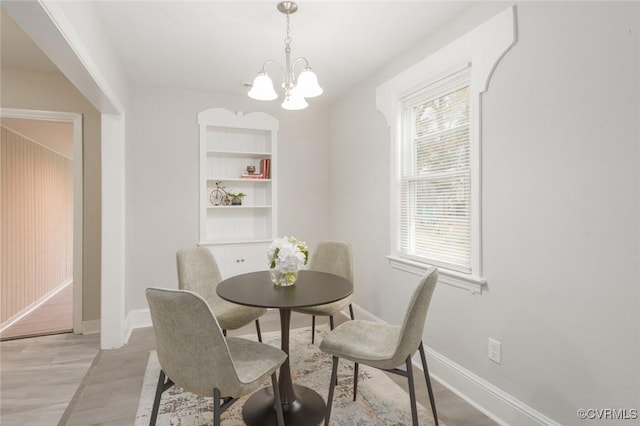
380,401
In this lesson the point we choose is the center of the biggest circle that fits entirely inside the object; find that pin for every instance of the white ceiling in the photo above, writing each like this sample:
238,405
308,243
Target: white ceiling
218,45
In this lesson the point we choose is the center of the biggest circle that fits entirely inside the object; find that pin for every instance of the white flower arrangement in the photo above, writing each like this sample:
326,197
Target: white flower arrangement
287,256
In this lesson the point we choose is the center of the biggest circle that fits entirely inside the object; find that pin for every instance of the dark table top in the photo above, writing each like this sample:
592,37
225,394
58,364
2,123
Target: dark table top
312,288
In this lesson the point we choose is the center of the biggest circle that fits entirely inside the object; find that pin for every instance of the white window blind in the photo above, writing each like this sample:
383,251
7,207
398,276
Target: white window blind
435,175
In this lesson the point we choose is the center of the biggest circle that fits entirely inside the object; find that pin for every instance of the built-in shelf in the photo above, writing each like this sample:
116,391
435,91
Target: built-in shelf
239,154
221,179
240,207
237,235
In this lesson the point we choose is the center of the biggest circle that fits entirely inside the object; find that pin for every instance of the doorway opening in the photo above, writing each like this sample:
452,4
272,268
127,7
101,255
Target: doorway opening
41,203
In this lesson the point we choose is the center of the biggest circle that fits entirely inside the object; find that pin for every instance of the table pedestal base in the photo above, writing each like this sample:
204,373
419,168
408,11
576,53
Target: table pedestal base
308,408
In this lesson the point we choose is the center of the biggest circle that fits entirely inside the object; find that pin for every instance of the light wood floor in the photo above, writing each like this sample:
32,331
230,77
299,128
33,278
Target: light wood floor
40,375
52,317
66,377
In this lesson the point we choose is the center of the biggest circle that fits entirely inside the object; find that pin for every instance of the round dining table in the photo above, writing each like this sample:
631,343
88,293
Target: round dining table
300,405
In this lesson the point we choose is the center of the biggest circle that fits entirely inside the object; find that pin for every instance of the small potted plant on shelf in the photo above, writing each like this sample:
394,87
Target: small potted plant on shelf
236,199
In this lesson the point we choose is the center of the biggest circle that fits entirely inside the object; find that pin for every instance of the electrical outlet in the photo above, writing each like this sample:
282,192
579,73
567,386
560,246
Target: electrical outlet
495,351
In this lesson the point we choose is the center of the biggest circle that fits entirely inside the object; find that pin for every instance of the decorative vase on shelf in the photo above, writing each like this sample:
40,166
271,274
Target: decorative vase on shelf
286,256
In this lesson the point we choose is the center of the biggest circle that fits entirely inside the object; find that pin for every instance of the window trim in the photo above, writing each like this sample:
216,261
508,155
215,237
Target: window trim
481,49
471,283
458,79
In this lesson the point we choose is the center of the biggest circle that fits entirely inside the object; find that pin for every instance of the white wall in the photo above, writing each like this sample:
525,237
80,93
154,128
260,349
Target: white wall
162,178
560,210
561,193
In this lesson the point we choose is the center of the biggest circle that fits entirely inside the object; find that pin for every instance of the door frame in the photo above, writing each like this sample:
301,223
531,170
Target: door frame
75,119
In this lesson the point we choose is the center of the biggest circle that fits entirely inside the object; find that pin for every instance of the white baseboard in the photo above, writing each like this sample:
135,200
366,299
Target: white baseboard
497,404
490,400
33,306
89,327
139,318
360,313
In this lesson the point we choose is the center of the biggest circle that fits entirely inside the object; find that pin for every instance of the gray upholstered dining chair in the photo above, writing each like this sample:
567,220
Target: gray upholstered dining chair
195,355
385,346
333,257
199,272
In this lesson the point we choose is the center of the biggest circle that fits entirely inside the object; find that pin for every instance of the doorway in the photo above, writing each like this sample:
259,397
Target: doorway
41,223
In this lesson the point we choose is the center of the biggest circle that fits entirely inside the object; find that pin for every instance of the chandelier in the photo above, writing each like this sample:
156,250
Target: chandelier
295,89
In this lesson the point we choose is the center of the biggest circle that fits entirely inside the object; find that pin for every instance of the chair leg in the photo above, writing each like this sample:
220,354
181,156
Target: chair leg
313,329
351,311
258,331
331,321
412,392
156,400
428,380
332,384
224,332
216,407
355,380
162,386
277,400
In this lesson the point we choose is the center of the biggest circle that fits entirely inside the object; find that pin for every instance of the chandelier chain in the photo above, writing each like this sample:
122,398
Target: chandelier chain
287,39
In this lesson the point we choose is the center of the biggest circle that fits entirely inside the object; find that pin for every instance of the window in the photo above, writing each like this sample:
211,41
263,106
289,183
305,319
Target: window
433,111
435,175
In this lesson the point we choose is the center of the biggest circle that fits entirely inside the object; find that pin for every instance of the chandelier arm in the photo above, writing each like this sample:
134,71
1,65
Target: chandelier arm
272,61
301,58
292,70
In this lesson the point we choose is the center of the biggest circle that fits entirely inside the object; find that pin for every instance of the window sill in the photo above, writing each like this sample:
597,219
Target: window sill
475,285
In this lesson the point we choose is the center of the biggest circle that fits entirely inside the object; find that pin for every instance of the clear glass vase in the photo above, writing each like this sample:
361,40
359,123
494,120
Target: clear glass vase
283,279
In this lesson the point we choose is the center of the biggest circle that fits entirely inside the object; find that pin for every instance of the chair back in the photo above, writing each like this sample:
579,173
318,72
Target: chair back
198,272
191,348
413,324
333,257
